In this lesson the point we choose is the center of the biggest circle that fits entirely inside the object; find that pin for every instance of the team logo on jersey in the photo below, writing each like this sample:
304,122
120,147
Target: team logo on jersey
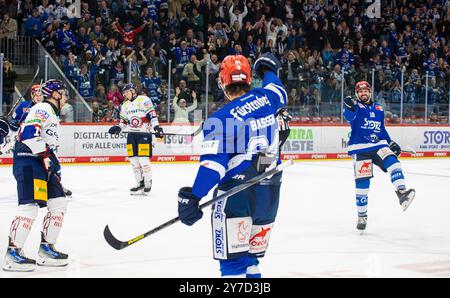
379,108
135,122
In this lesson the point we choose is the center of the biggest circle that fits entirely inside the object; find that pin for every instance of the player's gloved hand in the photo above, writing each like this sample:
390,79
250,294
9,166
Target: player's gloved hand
50,162
115,130
188,210
266,61
349,103
159,133
395,148
14,125
4,129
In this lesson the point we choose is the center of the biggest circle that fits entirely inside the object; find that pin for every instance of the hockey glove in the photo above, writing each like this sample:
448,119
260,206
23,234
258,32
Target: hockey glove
395,148
188,210
115,130
349,103
14,125
50,162
159,133
266,61
4,128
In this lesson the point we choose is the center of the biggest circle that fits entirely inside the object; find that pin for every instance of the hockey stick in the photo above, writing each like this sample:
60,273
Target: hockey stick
117,244
23,96
409,150
185,135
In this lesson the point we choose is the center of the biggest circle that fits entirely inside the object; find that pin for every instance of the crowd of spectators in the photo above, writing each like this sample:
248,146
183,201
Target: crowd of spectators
323,45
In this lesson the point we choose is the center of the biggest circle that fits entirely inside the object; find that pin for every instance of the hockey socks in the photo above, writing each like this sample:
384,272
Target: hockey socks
22,223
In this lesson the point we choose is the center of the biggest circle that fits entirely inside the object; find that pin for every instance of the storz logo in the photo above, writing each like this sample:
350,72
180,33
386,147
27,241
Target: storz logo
373,11
218,241
218,210
371,124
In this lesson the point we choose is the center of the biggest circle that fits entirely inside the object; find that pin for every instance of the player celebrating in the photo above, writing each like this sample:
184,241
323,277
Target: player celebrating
370,144
243,222
137,114
36,170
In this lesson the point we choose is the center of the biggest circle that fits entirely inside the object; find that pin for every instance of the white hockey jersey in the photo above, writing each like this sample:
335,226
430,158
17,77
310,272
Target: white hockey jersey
40,129
138,115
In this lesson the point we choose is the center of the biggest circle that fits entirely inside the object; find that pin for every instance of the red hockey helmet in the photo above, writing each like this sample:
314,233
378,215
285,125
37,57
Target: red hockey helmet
234,69
35,88
363,85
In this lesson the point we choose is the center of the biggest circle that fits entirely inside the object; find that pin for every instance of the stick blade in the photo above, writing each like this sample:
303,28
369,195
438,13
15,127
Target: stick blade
113,241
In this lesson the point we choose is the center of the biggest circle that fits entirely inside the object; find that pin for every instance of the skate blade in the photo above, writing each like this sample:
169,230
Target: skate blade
408,202
47,262
136,193
19,268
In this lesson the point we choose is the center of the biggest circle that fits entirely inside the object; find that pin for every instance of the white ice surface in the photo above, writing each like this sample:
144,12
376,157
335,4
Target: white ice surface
314,235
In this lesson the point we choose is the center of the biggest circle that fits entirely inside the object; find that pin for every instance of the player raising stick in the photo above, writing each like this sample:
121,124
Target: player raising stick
137,116
240,142
370,144
36,169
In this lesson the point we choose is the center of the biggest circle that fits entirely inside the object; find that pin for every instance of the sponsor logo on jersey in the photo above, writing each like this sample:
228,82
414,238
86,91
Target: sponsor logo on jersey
372,124
363,169
242,231
218,241
218,210
249,107
379,108
41,115
259,240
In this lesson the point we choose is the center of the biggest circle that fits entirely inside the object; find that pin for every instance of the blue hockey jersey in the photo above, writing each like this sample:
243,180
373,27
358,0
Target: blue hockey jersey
236,133
368,131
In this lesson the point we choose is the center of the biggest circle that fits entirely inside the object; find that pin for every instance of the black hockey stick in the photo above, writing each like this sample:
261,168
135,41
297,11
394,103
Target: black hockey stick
199,129
117,244
24,94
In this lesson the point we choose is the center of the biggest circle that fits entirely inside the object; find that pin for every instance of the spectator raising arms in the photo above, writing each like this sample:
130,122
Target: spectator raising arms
181,110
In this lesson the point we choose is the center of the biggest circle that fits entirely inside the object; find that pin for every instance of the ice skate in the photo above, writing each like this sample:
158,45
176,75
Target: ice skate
49,256
67,192
16,261
137,190
147,188
405,197
362,224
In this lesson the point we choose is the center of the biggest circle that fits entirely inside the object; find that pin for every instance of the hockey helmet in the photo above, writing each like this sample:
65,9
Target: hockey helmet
234,69
53,85
35,88
129,86
361,86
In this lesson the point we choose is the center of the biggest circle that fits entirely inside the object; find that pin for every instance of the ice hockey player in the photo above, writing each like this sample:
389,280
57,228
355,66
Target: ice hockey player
137,116
242,223
22,110
370,144
36,170
21,113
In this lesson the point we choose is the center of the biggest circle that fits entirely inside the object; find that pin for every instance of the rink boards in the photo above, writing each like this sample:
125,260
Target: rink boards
91,143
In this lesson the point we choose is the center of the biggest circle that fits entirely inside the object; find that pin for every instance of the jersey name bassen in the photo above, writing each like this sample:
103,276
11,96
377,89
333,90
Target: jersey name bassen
371,124
249,107
262,122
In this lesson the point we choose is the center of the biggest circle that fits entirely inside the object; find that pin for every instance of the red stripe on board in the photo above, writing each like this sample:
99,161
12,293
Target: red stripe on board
178,158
